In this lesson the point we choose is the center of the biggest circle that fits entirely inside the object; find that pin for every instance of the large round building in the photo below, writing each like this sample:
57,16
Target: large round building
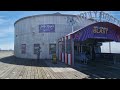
41,33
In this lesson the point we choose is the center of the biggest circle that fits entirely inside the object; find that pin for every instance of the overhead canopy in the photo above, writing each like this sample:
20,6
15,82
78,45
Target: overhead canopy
101,31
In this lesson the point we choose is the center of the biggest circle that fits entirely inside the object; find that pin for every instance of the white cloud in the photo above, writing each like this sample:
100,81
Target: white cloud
2,16
2,35
105,48
6,31
6,37
7,46
114,47
3,20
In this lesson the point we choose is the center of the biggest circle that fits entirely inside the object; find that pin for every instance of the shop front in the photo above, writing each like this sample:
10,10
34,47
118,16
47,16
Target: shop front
83,45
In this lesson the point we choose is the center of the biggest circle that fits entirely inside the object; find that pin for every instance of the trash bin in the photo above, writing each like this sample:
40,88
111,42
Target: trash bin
54,59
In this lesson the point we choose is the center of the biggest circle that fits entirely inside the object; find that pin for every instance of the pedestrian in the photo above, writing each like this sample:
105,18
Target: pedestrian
38,54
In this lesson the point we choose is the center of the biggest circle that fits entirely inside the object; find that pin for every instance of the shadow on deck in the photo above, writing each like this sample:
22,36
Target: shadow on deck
94,72
31,62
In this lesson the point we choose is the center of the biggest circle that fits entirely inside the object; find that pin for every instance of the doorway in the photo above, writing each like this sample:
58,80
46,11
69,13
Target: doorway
82,52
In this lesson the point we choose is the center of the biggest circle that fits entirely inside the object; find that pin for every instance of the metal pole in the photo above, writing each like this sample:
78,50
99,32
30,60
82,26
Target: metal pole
72,28
100,15
109,47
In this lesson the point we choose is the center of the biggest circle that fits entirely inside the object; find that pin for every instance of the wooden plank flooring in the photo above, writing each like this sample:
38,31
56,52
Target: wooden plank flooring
16,68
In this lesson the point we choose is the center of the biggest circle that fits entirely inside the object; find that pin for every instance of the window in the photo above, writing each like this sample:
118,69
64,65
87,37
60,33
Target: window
36,48
23,48
52,48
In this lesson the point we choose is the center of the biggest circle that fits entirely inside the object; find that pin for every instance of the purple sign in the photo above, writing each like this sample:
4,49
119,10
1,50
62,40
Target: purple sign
101,30
47,28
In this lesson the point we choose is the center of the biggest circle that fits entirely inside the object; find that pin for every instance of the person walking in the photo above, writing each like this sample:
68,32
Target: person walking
38,54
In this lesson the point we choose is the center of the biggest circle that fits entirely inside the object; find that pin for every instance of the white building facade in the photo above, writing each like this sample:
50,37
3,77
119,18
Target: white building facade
43,31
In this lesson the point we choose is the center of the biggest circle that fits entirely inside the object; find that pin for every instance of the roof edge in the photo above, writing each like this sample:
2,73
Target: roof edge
54,14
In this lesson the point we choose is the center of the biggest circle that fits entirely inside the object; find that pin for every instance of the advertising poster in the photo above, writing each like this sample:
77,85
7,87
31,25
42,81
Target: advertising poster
46,28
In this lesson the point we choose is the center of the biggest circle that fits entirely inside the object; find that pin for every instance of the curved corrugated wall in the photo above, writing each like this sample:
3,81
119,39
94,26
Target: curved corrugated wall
27,32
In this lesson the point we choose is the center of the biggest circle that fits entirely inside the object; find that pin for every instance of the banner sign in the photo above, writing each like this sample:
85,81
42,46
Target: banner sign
47,28
100,16
100,30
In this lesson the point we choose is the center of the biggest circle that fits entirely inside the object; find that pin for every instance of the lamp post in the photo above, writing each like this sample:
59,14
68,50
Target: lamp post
72,28
71,22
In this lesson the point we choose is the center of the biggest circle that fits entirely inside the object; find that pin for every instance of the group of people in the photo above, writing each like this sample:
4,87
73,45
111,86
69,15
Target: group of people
87,55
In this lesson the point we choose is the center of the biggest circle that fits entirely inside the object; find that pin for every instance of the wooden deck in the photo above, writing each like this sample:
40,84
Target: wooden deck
16,68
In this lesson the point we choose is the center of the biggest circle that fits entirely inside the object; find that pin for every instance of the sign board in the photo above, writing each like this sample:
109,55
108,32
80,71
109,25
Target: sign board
99,16
100,30
70,20
47,28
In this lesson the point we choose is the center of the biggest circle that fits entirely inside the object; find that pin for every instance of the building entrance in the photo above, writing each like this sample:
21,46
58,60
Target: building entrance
82,52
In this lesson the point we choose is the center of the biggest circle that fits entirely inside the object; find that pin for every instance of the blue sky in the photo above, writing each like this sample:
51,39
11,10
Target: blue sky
7,19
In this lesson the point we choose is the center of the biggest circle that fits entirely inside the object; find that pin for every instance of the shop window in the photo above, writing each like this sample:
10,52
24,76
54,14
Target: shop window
23,48
52,48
